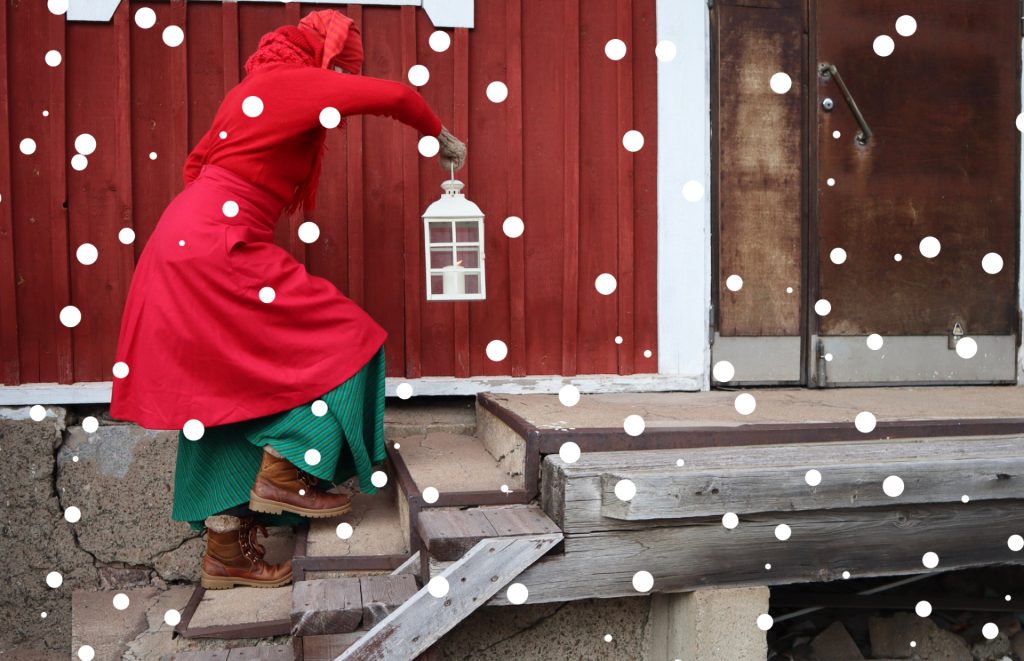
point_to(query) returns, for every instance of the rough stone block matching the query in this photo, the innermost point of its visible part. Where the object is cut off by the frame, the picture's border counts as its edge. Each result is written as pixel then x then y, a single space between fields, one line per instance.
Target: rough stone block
pixel 891 637
pixel 835 644
pixel 34 537
pixel 122 483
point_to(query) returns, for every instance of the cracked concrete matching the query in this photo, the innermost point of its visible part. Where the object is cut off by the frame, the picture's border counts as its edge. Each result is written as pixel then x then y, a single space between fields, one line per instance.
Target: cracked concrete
pixel 120 477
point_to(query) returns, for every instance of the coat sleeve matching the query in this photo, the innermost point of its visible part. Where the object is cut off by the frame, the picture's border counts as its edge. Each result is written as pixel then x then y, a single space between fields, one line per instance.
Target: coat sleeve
pixel 358 95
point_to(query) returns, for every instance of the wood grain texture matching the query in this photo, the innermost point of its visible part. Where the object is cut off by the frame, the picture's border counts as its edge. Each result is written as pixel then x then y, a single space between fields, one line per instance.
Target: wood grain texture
pixel 325 606
pixel 713 481
pixel 957 127
pixel 865 542
pixel 10 361
pixel 759 225
pixel 383 594
pixel 549 154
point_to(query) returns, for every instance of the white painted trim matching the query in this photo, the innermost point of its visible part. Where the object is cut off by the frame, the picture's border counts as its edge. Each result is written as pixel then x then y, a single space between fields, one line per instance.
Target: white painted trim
pixel 99 392
pixel 442 13
pixel 684 228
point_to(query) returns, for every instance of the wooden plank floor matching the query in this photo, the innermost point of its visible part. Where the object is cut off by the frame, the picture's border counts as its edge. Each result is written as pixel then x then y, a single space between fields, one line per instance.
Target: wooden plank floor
pixel 777 405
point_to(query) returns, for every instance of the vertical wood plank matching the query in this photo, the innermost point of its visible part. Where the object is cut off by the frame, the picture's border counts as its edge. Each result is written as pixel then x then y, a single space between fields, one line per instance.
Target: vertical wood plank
pixel 412 225
pixel 600 147
pixel 437 351
pixel 461 114
pixel 327 257
pixel 230 54
pixel 10 364
pixel 544 86
pixel 384 138
pixel 354 163
pixel 571 185
pixel 624 198
pixel 57 205
pixel 99 196
pixel 514 169
pixel 645 188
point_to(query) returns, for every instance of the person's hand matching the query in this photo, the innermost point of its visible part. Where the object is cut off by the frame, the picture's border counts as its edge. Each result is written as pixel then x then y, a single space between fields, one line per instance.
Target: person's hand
pixel 453 151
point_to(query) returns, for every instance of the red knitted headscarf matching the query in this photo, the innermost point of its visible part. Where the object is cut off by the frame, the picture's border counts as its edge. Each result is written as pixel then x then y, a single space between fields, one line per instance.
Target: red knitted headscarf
pixel 323 39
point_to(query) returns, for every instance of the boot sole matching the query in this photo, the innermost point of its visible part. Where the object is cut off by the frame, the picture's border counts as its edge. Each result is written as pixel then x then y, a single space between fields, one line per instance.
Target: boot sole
pixel 222 582
pixel 257 504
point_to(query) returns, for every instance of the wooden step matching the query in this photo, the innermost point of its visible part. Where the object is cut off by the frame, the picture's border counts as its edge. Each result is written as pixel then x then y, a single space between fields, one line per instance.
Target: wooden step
pixel 449 533
pixel 341 605
pixel 260 653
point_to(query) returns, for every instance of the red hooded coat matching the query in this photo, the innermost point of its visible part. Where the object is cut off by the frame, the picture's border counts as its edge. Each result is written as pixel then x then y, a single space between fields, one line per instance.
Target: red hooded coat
pixel 198 333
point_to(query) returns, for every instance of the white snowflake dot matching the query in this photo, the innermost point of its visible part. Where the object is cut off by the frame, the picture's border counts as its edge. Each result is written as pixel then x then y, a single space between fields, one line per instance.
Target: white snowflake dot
pixel 193 430
pixel 330 117
pixel 173 36
pixel 319 408
pixel 309 232
pixel 252 106
pixel 379 479
pixel 569 395
pixel 497 91
pixel 633 140
pixel 404 390
pixel 120 369
pixel 634 425
pixel 70 316
pixel 892 486
pixel 765 621
pixel 643 581
pixel 517 593
pixel 344 530
pixel 121 601
pixel 145 18
pixel 430 495
pixel 440 41
pixel 569 452
pixel 418 75
pixel 497 350
pixel 312 457
pixel 615 49
pixel 605 283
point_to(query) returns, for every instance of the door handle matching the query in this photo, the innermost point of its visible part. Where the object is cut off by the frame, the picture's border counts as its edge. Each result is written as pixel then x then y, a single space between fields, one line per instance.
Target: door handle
pixel 829 71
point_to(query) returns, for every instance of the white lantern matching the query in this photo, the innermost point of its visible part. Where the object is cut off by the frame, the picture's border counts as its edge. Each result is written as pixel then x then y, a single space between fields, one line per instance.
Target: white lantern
pixel 453 234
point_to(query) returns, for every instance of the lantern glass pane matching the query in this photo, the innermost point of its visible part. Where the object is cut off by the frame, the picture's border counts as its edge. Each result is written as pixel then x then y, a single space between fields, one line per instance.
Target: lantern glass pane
pixel 441 232
pixel 470 257
pixel 472 283
pixel 467 231
pixel 440 257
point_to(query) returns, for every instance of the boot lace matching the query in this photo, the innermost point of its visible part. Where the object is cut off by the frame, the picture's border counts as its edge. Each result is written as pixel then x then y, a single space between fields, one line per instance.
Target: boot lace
pixel 307 479
pixel 251 548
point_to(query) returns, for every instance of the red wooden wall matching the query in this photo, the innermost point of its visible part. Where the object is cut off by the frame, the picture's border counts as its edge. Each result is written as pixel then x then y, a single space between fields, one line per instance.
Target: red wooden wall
pixel 551 153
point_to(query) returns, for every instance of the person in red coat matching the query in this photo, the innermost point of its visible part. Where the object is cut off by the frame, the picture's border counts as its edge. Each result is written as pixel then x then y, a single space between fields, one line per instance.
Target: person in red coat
pixel 226 337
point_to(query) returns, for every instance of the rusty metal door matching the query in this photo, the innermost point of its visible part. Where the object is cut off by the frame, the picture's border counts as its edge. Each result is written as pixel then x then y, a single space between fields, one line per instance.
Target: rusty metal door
pixel 914 191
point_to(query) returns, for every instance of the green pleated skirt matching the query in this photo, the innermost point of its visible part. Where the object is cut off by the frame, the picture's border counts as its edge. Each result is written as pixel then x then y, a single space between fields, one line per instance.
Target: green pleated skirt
pixel 216 472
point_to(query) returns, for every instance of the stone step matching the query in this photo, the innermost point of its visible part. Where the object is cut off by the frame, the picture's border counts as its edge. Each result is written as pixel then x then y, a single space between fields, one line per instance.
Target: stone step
pixel 380 537
pixel 242 612
pixel 462 469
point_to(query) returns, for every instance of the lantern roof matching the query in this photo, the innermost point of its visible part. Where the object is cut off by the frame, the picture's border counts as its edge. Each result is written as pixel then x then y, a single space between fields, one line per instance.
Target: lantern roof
pixel 452 203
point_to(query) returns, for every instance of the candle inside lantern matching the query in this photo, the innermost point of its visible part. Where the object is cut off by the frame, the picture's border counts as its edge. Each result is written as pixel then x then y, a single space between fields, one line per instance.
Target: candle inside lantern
pixel 454 279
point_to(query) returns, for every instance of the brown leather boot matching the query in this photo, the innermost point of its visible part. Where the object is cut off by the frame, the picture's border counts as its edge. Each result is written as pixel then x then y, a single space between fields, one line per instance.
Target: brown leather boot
pixel 282 486
pixel 236 558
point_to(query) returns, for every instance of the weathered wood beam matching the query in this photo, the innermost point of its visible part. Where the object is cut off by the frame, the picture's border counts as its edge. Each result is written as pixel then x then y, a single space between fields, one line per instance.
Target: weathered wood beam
pixel 702 553
pixel 580 497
